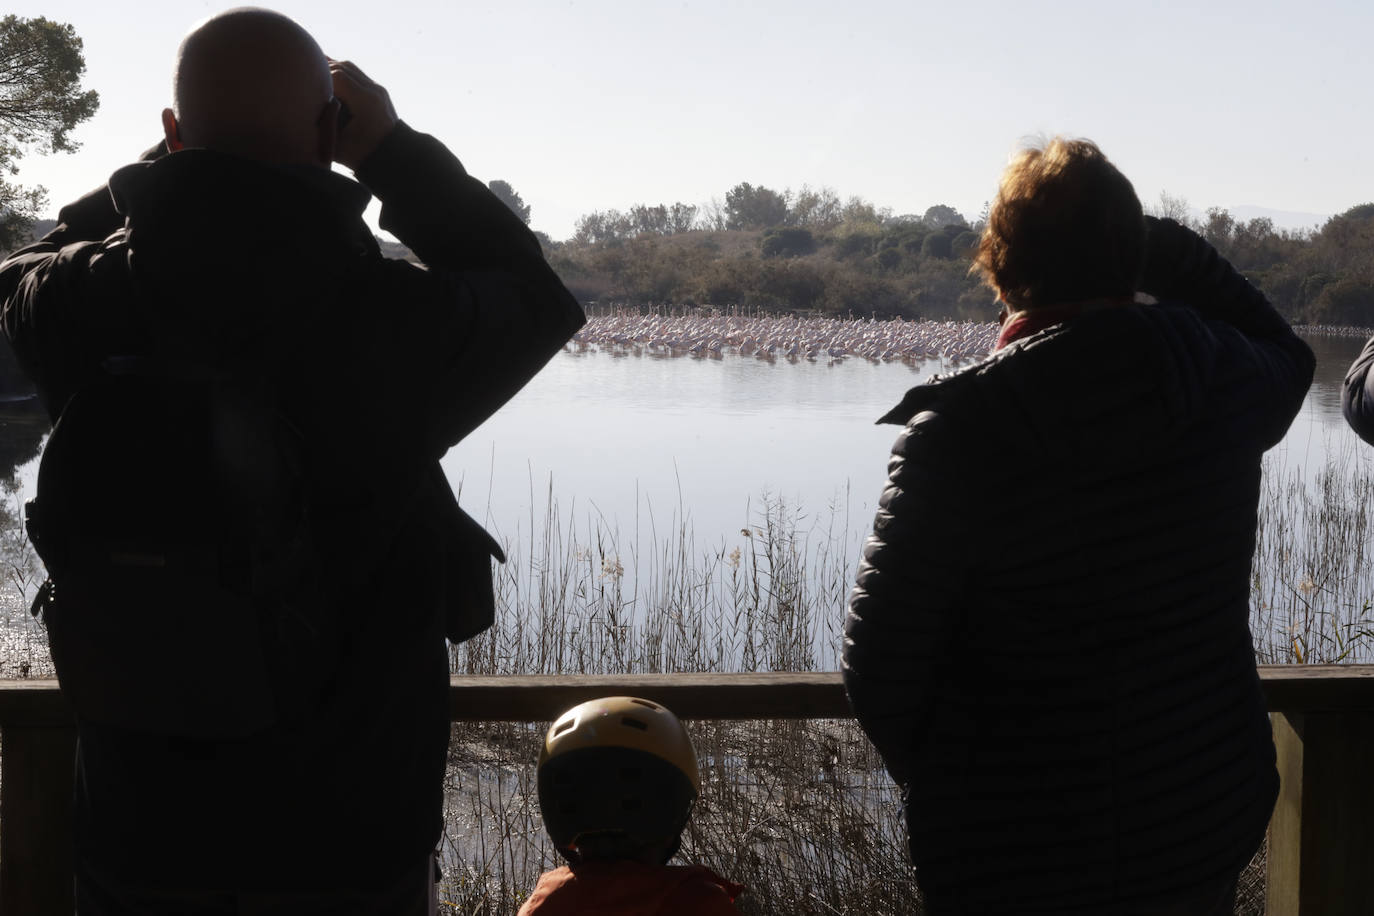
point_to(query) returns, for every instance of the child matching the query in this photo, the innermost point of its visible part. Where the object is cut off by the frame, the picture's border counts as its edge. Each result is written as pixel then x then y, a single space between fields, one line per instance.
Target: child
pixel 617 779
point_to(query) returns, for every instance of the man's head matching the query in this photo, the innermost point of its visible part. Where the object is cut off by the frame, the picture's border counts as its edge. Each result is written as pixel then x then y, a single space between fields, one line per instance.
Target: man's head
pixel 1066 227
pixel 253 83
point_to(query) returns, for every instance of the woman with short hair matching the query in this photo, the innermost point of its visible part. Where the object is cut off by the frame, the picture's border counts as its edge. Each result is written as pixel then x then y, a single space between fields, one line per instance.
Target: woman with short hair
pixel 1049 636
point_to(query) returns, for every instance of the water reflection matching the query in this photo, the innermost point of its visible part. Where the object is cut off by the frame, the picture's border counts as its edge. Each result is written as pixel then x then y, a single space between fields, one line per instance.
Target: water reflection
pixel 1334 356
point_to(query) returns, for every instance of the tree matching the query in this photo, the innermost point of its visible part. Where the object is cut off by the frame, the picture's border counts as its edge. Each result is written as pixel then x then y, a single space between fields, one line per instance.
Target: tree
pixel 603 226
pixel 941 215
pixel 646 220
pixel 510 198
pixel 682 217
pixel 41 102
pixel 714 216
pixel 1171 206
pixel 860 211
pixel 964 244
pixel 937 245
pixel 818 208
pixel 787 241
pixel 1218 227
pixel 748 207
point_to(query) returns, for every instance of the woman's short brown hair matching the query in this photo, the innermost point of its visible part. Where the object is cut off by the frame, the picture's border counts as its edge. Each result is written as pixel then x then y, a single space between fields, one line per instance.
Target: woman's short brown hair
pixel 1066 227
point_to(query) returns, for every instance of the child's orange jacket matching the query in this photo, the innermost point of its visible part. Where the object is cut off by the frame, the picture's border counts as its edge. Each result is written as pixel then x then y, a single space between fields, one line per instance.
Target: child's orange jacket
pixel 625 888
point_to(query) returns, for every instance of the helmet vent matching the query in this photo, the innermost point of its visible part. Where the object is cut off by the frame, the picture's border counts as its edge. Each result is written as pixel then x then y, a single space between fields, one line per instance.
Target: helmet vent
pixel 561 727
pixel 644 703
pixel 634 723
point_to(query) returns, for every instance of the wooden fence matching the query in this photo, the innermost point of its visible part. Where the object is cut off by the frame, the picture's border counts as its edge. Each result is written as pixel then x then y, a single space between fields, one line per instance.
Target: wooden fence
pixel 1321 838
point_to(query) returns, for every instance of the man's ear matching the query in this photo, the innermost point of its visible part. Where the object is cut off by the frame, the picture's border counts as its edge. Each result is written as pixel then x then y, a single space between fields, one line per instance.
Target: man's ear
pixel 171 130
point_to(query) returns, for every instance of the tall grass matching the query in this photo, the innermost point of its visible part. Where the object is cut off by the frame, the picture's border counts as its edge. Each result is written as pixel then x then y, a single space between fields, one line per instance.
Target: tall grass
pixel 592 601
pixel 1312 585
pixel 23 642
pixel 800 812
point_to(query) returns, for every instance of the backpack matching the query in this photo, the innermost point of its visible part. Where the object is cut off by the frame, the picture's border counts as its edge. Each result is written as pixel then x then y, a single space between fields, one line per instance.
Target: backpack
pixel 183 595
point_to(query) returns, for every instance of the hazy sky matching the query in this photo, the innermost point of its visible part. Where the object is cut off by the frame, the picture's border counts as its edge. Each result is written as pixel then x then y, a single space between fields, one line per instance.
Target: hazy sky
pixel 592 104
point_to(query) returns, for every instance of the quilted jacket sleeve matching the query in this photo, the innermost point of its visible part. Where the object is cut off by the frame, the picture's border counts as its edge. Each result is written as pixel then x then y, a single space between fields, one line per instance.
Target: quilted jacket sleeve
pixel 910 597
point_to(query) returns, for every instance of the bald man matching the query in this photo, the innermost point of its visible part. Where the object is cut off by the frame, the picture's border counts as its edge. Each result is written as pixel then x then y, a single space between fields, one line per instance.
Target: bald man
pixel 234 251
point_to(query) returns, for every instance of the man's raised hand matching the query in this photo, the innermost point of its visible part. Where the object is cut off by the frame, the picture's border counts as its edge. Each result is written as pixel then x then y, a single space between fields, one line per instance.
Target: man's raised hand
pixel 372 115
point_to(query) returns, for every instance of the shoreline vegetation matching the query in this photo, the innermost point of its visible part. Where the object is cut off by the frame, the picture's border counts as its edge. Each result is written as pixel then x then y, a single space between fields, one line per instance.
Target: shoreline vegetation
pixel 801 812
pixel 811 251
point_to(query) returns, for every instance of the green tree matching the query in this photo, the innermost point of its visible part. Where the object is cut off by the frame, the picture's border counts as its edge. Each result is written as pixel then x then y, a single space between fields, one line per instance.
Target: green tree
pixel 787 242
pixel 937 245
pixel 942 215
pixel 682 217
pixel 41 102
pixel 818 208
pixel 748 207
pixel 858 211
pixel 1217 228
pixel 964 244
pixel 510 198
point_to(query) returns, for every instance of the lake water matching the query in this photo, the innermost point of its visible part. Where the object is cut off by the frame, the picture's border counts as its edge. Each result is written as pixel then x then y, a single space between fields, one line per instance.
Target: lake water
pixel 661 440
pixel 645 447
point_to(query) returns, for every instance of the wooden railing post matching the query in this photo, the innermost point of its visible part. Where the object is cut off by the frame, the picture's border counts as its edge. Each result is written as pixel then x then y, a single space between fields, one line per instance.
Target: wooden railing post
pixel 36 783
pixel 1321 837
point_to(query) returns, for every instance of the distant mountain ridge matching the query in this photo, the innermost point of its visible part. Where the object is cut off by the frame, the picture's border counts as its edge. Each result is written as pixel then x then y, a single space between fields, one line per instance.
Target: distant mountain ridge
pixel 1282 219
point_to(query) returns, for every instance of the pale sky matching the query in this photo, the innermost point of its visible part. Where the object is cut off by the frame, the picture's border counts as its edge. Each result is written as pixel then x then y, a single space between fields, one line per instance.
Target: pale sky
pixel 592 104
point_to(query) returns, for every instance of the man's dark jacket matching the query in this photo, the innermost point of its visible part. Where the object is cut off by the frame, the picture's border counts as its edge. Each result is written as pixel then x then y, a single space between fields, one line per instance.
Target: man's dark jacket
pixel 1048 641
pixel 270 273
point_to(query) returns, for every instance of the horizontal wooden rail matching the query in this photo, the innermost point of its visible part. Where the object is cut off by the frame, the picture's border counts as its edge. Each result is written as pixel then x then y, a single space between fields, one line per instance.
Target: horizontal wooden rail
pixel 761 695
pixel 534 698
pixel 1320 843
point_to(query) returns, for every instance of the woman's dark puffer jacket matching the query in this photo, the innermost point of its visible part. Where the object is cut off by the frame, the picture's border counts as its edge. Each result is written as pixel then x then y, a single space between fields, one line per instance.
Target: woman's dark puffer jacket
pixel 1049 640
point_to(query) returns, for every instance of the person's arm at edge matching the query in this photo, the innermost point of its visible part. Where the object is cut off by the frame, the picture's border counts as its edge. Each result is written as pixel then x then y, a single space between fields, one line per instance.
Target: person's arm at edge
pixel 1357 394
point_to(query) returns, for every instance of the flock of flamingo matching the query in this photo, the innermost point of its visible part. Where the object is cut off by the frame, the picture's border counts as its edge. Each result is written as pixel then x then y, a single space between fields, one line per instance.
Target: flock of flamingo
pixel 771 337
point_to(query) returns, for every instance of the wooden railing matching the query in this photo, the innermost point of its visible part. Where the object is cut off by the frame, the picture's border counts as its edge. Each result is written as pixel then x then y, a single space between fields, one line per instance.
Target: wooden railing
pixel 1321 838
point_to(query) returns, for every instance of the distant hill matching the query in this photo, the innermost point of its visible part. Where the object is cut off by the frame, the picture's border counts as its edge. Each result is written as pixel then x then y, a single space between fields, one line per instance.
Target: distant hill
pixel 1282 219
